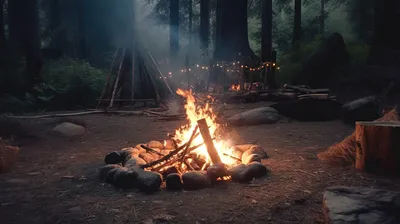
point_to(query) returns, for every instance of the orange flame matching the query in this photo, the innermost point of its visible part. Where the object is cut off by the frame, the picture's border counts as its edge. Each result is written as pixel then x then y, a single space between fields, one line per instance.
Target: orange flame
pixel 235 87
pixel 195 113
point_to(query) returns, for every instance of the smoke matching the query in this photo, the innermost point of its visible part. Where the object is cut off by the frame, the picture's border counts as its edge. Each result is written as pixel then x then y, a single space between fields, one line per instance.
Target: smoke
pixel 154 35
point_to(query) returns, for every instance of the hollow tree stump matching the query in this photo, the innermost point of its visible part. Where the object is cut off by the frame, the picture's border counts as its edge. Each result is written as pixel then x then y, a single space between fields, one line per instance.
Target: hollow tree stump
pixel 378 147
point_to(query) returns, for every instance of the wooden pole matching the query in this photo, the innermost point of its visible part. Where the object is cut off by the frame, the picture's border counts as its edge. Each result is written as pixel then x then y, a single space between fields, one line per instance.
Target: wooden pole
pixel 378 147
pixel 107 84
pixel 205 133
pixel 117 79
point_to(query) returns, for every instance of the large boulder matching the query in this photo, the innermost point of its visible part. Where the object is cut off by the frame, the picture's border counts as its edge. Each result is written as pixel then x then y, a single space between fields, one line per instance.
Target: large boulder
pixel 67 129
pixel 363 109
pixel 361 205
pixel 310 109
pixel 262 115
pixel 320 68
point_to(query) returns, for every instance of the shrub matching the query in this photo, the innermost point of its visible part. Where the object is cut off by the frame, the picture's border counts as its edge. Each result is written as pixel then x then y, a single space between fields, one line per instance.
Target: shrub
pixel 69 84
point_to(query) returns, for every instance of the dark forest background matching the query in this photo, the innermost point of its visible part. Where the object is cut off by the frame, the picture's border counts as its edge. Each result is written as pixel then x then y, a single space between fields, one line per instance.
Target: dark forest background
pixel 56 54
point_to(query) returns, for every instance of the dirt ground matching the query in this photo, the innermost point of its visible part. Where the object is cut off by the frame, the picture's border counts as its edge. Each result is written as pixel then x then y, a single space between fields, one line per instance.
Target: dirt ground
pixel 55 180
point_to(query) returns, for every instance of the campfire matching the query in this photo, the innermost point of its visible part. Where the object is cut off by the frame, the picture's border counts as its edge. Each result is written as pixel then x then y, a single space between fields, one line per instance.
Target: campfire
pixel 193 157
pixel 235 87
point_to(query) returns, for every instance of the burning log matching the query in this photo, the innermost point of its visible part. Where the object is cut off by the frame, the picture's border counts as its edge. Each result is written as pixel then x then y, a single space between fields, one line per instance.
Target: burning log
pixel 208 141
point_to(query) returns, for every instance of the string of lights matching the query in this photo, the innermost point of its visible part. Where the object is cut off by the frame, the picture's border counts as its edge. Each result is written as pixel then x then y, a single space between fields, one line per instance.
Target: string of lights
pixel 231 67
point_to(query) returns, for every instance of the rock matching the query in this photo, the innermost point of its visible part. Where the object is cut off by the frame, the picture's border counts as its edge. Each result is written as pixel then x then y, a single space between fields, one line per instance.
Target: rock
pixel 241 174
pixel 155 145
pixel 322 65
pixel 361 205
pixel 262 115
pixel 254 153
pixel 216 171
pixel 170 170
pixel 364 109
pixel 67 129
pixel 110 175
pixel 236 152
pixel 113 158
pixel 174 181
pixel 147 157
pixel 243 148
pixel 148 181
pixel 169 145
pixel 105 169
pixel 125 179
pixel 310 109
pixel 134 162
pixel 139 147
pixel 195 180
pixel 246 159
pixel 257 170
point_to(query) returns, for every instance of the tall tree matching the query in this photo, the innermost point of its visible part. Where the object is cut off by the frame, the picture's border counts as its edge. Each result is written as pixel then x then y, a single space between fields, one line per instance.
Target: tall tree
pixel 80 9
pixel 174 27
pixel 297 24
pixel 322 19
pixel 2 30
pixel 204 24
pixel 232 35
pixel 266 40
pixel 385 41
pixel 25 34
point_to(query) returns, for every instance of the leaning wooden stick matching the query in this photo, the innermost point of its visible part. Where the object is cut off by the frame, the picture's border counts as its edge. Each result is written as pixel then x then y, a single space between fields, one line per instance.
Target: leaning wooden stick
pixel 205 133
pixel 189 143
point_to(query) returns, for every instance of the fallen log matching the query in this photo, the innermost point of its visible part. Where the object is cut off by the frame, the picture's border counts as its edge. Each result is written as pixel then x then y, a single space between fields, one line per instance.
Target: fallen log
pixel 305 90
pixel 377 147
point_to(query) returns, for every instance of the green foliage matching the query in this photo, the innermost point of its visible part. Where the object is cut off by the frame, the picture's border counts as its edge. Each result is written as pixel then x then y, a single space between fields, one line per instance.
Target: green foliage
pixel 290 63
pixel 70 84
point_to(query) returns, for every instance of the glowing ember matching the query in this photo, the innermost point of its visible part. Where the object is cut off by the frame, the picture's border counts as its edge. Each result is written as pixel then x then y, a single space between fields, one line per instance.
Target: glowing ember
pixel 235 87
pixel 194 113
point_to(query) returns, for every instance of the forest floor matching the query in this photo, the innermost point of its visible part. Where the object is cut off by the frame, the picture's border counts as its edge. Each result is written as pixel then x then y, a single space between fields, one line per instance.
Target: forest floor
pixel 55 180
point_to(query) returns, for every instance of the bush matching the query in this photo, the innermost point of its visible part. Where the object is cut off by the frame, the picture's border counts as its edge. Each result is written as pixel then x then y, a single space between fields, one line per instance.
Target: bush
pixel 69 84
pixel 290 63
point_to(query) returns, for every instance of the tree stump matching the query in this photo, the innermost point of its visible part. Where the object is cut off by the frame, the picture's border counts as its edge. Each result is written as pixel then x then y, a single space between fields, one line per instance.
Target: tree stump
pixel 378 147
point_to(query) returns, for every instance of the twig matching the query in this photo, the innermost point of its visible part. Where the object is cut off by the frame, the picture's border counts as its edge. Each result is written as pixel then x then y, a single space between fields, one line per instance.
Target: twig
pixel 189 143
pixel 306 172
pixel 165 158
pixel 232 157
pixel 151 150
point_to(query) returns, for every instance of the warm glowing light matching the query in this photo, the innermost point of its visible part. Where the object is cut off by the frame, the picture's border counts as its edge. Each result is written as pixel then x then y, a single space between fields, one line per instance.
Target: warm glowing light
pixel 235 87
pixel 273 64
pixel 197 65
pixel 194 113
pixel 169 73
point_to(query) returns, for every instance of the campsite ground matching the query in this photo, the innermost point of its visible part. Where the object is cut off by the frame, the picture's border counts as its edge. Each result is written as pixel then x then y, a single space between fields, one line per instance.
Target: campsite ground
pixel 55 180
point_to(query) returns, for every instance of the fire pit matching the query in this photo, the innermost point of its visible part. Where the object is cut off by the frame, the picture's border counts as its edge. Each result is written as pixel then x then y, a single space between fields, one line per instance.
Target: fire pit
pixel 194 157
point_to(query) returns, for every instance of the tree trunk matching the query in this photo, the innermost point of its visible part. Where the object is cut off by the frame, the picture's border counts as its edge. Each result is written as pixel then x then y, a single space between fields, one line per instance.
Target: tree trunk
pixel 266 40
pixel 25 34
pixel 187 58
pixel 80 7
pixel 232 36
pixel 385 49
pixel 377 147
pixel 322 19
pixel 174 28
pixel 297 24
pixel 204 24
pixel 2 32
